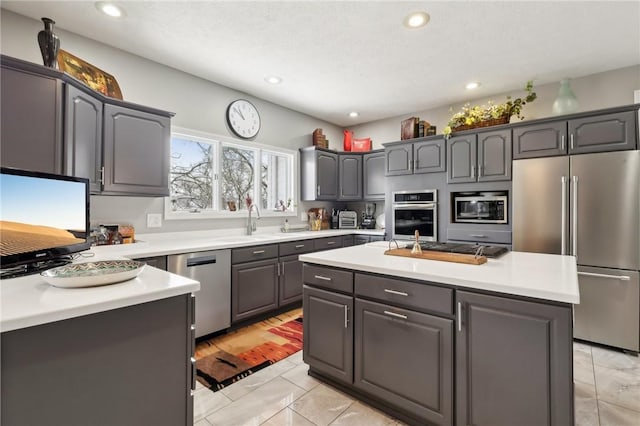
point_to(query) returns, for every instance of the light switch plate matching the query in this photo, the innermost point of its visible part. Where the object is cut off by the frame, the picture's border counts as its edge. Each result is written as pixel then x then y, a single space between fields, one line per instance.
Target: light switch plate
pixel 154 220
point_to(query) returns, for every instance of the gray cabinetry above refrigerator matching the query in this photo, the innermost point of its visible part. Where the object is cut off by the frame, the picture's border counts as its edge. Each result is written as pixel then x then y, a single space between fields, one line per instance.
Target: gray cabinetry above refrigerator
pixel 615 131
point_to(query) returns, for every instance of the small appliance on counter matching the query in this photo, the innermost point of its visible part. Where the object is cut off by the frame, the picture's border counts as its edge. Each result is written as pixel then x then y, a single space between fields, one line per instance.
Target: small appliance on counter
pixel 368 218
pixel 347 219
pixel 334 218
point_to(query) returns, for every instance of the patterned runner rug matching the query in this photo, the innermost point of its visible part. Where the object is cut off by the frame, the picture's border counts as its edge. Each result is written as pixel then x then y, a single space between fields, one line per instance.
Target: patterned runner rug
pixel 225 359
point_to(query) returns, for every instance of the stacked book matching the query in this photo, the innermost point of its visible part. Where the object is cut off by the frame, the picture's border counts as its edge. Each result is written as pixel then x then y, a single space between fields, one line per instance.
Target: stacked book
pixel 320 139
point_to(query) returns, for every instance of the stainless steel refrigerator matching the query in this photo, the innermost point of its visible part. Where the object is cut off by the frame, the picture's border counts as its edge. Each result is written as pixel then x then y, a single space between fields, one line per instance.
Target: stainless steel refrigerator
pixel 587 206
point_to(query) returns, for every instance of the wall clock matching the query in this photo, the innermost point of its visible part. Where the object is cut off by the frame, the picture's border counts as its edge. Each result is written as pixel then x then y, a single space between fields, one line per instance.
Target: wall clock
pixel 243 119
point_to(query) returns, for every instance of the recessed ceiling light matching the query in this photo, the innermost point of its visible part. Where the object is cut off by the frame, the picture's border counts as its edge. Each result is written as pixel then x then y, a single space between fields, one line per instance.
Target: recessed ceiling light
pixel 416 20
pixel 110 9
pixel 472 85
pixel 354 114
pixel 273 79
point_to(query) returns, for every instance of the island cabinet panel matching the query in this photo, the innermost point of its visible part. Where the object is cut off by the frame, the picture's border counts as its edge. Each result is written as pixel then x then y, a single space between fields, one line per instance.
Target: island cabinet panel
pixel 328 333
pixel 254 288
pixel 513 362
pixel 290 280
pixel 127 366
pixel 406 359
pixel 31 117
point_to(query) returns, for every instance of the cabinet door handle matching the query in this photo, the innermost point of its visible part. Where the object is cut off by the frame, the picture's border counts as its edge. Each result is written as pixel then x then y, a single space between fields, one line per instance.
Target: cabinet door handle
pixel 480 171
pixel 258 252
pixel 346 316
pixel 562 143
pixel 102 175
pixel 477 235
pixel 399 293
pixel 473 171
pixel 613 277
pixel 459 316
pixel 571 141
pixel 320 277
pixel 318 191
pixel 278 268
pixel 300 246
pixel 283 269
pixel 330 243
pixel 393 314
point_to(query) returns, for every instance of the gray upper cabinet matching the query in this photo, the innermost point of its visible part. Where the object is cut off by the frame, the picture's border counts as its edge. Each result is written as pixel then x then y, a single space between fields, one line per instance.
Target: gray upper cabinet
pixel 608 132
pixel 481 157
pixel 426 156
pixel 318 174
pixel 501 342
pixel 373 179
pixel 136 152
pixel 350 177
pixel 83 137
pixel 540 140
pixel 31 117
pixel 582 135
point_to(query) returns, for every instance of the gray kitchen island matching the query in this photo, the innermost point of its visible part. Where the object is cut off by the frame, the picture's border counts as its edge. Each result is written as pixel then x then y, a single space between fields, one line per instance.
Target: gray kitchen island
pixel 442 343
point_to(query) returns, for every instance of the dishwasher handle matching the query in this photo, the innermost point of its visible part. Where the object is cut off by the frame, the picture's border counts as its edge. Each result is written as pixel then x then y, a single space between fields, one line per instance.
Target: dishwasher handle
pixel 201 260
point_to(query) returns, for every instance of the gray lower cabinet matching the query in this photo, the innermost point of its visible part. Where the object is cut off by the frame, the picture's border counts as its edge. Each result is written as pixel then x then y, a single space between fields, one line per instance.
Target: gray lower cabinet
pixel 513 362
pixel 328 333
pixel 254 288
pixel 347 240
pixel 479 157
pixel 159 262
pixel 405 358
pixel 425 156
pixel 83 137
pixel 290 281
pixel 360 239
pixel 373 179
pixel 318 174
pixel 32 120
pixel 127 366
pixel 136 152
pixel 349 177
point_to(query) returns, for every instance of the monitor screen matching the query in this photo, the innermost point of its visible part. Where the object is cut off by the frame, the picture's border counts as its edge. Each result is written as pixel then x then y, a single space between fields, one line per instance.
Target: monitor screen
pixel 42 217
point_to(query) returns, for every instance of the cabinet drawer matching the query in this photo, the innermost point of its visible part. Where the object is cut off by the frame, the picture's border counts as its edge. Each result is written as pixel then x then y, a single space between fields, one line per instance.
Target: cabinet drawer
pixel 327 243
pixel 249 254
pixel 422 297
pixel 479 235
pixel 360 239
pixel 330 278
pixel 296 247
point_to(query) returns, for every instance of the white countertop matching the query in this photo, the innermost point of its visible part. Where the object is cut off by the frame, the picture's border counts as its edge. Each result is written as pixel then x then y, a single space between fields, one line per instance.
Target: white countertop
pixel 29 301
pixel 542 276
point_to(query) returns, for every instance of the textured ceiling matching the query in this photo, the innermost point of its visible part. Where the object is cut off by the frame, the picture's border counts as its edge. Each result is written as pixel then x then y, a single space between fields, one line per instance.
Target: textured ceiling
pixel 339 56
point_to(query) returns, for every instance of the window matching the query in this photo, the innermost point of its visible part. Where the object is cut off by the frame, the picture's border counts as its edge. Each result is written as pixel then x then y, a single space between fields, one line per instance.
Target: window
pixel 212 176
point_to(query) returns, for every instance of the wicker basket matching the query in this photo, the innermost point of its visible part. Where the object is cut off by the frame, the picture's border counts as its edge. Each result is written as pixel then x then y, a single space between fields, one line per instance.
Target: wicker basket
pixel 493 122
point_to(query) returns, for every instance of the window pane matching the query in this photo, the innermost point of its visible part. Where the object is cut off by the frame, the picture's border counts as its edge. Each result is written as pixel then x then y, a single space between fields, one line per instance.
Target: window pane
pixel 275 182
pixel 191 175
pixel 238 177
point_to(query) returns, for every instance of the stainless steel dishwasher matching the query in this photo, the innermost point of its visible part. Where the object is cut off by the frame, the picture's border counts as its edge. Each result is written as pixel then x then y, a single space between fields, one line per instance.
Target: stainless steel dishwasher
pixel 213 301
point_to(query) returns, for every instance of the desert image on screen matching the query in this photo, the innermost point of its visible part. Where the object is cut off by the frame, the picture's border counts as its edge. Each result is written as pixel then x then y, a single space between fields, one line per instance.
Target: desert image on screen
pixel 16 237
pixel 40 213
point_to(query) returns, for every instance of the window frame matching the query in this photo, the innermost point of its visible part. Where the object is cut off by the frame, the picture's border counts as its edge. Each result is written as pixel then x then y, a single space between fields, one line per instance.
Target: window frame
pixel 218 143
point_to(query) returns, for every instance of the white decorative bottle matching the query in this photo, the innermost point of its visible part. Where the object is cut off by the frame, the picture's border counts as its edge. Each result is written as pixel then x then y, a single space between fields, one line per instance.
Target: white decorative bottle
pixel 566 101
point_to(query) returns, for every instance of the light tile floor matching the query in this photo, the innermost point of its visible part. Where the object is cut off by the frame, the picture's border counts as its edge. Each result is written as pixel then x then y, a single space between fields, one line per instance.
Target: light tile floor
pixel 607 393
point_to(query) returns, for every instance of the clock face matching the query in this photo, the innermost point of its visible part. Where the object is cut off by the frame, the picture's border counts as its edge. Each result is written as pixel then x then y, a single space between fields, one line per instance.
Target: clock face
pixel 243 118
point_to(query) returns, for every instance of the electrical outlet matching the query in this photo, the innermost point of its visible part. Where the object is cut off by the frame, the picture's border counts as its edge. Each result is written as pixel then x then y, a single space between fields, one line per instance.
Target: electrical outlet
pixel 154 220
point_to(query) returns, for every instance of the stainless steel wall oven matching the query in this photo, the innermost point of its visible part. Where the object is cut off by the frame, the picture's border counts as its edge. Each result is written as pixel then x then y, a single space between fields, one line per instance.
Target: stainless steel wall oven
pixel 415 211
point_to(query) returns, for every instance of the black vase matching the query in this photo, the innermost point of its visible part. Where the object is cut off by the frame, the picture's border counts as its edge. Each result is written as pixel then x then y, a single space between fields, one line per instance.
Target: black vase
pixel 49 43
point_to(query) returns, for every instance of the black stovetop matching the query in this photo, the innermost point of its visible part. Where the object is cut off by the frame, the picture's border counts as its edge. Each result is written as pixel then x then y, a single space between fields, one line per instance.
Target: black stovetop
pixel 488 251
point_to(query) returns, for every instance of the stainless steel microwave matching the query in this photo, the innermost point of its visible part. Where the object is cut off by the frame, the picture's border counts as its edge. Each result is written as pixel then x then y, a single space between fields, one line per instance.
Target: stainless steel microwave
pixel 481 208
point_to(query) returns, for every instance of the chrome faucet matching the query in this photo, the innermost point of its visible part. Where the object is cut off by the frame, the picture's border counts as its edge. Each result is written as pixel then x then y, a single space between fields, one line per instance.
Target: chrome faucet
pixel 251 224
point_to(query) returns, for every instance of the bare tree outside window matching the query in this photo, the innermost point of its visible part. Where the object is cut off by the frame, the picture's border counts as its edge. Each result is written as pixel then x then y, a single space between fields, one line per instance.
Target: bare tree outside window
pixel 237 173
pixel 191 175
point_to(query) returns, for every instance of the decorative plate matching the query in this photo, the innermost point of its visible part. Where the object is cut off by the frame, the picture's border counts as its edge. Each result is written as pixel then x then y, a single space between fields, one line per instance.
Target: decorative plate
pixel 92 274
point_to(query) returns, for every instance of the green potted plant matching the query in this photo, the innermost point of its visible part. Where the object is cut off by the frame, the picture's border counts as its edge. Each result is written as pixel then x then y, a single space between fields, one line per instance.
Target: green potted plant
pixel 489 115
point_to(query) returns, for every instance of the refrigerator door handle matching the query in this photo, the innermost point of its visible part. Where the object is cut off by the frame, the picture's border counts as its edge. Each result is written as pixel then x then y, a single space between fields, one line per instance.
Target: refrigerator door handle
pixel 574 218
pixel 563 219
pixel 613 277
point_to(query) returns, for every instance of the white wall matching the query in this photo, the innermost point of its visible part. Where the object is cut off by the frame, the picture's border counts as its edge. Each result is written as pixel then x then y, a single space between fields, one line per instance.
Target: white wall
pixel 201 105
pixel 603 90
